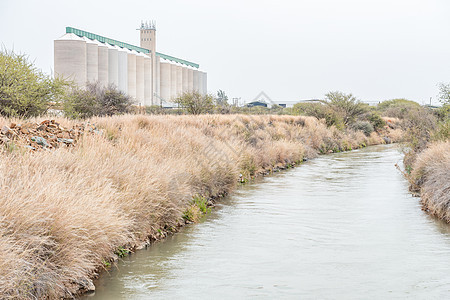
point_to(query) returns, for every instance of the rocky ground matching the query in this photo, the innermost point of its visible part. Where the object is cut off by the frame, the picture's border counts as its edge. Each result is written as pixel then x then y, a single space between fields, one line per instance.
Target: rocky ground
pixel 45 135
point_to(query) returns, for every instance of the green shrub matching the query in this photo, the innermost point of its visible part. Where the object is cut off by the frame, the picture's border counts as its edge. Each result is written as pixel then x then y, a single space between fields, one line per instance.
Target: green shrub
pixel 346 106
pixel 198 206
pixel 397 108
pixel 444 93
pixel 375 119
pixel 443 131
pixel 320 111
pixel 419 128
pixel 364 126
pixel 443 113
pixel 317 110
pixel 202 203
pixel 195 103
pixel 24 90
pixel 96 100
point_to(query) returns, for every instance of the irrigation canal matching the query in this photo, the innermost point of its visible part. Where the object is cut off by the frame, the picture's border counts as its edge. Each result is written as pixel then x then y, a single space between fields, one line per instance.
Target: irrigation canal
pixel 342 226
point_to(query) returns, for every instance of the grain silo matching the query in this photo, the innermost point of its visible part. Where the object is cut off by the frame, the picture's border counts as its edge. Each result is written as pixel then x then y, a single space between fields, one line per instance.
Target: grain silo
pixel 200 81
pixel 157 87
pixel 126 65
pixel 113 66
pixel 173 81
pixel 91 60
pixel 195 80
pixel 148 81
pixel 70 58
pixel 179 80
pixel 165 76
pixel 140 78
pixel 185 79
pixel 190 80
pixel 205 83
pixel 123 70
pixel 103 64
pixel 132 73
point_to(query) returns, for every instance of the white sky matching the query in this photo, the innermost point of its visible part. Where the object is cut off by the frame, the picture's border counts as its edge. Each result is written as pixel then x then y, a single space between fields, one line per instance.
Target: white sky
pixel 292 50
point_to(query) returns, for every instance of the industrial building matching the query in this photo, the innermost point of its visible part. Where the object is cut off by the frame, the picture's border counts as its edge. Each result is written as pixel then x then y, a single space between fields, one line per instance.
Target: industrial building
pixel 150 77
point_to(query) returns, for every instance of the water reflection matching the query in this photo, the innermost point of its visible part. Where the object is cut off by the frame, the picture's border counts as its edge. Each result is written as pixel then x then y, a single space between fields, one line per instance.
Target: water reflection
pixel 340 226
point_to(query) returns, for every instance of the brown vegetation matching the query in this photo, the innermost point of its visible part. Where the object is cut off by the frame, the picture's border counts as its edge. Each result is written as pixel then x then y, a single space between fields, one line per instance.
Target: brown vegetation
pixel 430 175
pixel 65 212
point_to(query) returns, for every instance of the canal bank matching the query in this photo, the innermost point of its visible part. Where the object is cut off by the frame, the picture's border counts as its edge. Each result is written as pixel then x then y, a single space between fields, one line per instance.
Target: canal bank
pixel 340 226
pixel 67 213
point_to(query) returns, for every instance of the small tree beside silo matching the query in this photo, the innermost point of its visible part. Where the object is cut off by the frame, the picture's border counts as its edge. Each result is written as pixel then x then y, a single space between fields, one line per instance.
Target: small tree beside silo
pixel 24 90
pixel 195 103
pixel 96 100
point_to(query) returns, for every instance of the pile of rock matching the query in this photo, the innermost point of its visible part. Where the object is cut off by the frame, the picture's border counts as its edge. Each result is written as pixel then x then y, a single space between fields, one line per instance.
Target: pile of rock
pixel 48 134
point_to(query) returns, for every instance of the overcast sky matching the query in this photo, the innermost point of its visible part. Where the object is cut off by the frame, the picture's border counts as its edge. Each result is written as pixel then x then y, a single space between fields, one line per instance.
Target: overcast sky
pixel 292 50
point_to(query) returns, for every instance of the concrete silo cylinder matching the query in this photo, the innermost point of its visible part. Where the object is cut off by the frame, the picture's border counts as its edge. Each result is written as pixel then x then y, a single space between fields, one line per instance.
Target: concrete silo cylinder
pixel 173 81
pixel 113 65
pixel 179 80
pixel 91 60
pixel 200 82
pixel 132 74
pixel 165 78
pixel 157 81
pixel 140 88
pixel 148 81
pixel 195 80
pixel 103 64
pixel 191 80
pixel 185 80
pixel 70 58
pixel 205 83
pixel 123 70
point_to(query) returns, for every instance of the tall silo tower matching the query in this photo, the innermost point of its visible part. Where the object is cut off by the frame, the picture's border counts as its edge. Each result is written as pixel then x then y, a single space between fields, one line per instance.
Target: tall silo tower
pixel 148 41
pixel 70 58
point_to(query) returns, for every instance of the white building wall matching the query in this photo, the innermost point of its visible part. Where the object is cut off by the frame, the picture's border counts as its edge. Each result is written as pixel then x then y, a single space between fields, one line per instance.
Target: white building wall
pixel 70 58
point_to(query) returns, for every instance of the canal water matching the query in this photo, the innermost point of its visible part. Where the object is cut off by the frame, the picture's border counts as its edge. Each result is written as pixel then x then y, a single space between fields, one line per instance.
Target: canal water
pixel 342 226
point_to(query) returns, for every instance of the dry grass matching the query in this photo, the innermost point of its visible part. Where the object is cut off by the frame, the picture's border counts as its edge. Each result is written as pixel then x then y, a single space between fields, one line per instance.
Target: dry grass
pixel 431 173
pixel 63 213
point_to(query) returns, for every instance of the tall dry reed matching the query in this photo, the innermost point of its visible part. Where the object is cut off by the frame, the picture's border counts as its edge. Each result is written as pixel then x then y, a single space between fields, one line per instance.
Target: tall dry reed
pixel 431 175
